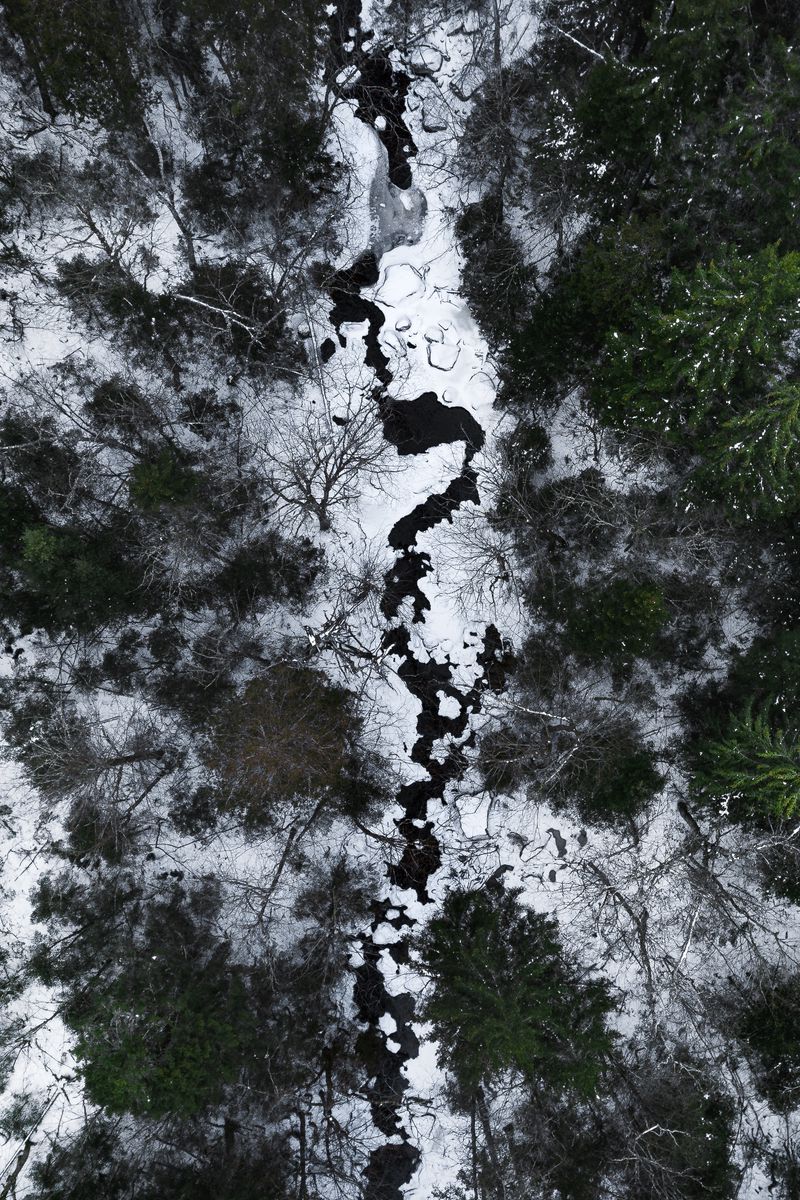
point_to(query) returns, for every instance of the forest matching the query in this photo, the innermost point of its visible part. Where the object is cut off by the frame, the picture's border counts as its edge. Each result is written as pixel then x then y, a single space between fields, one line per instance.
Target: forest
pixel 400 600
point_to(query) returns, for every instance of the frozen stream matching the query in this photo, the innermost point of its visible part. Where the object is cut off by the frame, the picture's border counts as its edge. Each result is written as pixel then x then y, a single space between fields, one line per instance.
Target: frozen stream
pixel 392 291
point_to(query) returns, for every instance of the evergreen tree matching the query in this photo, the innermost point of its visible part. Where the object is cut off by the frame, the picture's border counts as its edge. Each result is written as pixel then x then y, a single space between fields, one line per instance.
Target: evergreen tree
pixel 722 336
pixel 752 772
pixel 101 1163
pixel 163 480
pixel 168 1021
pixel 768 1025
pixel 678 1133
pixel 81 53
pixel 71 578
pixel 616 619
pixel 616 787
pixel 753 460
pixel 505 995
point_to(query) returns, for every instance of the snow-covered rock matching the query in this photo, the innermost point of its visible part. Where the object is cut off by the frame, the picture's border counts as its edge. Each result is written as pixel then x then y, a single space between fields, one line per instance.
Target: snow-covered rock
pixel 426 60
pixel 400 282
pixel 443 355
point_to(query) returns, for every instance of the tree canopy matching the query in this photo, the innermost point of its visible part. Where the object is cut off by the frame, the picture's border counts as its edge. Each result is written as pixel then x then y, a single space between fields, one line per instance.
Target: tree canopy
pixel 505 995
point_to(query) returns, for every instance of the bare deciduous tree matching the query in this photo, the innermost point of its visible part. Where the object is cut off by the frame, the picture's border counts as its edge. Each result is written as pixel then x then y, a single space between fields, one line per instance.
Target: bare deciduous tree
pixel 105 767
pixel 318 460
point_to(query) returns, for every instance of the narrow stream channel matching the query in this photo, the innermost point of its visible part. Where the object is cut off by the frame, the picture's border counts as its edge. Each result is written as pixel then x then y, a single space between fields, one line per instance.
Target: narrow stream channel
pixel 413 427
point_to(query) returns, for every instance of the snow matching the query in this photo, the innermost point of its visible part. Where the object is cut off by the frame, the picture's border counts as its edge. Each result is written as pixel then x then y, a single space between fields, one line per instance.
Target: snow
pixel 448 706
pixel 426 60
pixel 434 346
pixel 399 282
pixel 443 355
pixel 43 1066
pixel 548 855
pixel 358 148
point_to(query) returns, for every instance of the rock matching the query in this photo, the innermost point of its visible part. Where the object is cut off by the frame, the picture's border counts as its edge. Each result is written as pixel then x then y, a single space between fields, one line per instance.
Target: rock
pixel 432 122
pixel 347 77
pixel 448 705
pixel 395 345
pixel 400 282
pixel 354 329
pixel 434 333
pixel 398 215
pixel 426 60
pixel 443 355
pixel 402 324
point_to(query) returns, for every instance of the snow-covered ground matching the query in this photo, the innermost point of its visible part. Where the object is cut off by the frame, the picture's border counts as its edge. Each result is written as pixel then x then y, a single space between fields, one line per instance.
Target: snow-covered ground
pixel 432 345
pixel 600 884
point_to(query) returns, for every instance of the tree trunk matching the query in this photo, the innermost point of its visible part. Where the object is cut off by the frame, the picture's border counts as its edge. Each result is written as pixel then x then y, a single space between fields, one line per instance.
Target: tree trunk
pixel 39 76
pixel 125 760
pixel 498 1188
pixel 229 1134
pixel 302 1193
pixel 474 1143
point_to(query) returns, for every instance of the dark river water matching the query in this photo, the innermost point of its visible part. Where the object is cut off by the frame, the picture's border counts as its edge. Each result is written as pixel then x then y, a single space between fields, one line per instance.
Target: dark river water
pixel 413 427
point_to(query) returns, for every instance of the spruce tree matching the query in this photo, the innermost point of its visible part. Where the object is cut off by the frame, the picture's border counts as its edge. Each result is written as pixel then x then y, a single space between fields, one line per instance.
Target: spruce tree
pixel 754 458
pixel 506 996
pixel 768 1026
pixel 753 771
pixel 714 347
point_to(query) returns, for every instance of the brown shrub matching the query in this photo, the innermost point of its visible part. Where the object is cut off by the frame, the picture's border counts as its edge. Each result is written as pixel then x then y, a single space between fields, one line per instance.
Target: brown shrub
pixel 288 735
